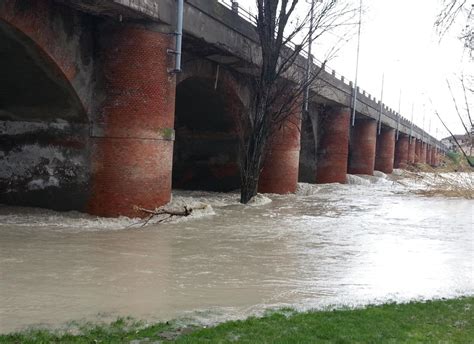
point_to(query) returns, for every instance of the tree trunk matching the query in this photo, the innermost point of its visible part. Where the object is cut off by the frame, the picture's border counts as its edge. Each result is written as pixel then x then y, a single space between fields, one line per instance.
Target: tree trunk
pixel 248 189
pixel 252 155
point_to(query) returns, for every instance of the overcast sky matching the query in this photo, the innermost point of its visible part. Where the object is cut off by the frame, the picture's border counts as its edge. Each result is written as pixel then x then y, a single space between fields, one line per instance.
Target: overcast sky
pixel 399 40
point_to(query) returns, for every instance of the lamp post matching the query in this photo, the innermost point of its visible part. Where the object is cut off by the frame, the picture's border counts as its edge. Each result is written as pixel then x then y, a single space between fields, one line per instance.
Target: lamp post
pixel 381 105
pixel 354 97
pixel 399 114
pixel 309 62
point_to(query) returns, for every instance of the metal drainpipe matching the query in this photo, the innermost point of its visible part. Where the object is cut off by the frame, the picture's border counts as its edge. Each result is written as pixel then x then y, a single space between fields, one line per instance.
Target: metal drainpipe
pixel 179 37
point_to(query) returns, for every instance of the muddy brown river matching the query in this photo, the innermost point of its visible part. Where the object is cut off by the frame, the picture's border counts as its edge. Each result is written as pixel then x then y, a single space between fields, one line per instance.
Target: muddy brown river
pixel 342 245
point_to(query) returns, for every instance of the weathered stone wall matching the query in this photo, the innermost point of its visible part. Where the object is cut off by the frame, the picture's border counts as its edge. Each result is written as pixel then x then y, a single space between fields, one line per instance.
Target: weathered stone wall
pixel 44 164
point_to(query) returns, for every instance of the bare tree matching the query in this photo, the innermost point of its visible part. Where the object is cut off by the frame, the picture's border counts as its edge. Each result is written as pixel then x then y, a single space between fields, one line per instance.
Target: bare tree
pixel 281 81
pixel 452 12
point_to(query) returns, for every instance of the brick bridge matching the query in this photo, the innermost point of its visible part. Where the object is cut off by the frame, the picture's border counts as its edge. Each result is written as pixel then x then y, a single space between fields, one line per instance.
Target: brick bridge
pixel 91 118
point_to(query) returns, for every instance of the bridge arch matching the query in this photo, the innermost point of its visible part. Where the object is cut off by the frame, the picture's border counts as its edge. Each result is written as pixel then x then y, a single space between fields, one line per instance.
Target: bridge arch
pixel 43 120
pixel 33 86
pixel 208 109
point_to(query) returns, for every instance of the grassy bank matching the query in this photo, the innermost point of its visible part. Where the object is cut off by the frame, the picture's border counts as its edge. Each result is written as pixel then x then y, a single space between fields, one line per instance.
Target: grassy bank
pixel 447 321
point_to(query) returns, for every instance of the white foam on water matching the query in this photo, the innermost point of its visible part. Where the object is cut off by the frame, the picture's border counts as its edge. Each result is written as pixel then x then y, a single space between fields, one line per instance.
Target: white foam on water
pixel 259 200
pixel 353 179
pixel 380 174
pixel 37 218
pixel 306 189
pixel 397 172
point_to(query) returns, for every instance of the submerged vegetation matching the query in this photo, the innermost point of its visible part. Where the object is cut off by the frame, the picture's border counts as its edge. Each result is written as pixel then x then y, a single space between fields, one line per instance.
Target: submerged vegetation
pixel 453 178
pixel 443 321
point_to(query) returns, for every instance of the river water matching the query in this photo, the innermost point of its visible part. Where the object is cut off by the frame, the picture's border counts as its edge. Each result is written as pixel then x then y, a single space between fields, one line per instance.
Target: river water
pixel 369 242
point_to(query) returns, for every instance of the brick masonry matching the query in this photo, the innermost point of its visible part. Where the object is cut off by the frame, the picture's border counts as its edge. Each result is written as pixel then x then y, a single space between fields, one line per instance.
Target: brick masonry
pixel 132 143
pixel 411 150
pixel 362 147
pixel 385 150
pixel 402 151
pixel 333 149
pixel 280 169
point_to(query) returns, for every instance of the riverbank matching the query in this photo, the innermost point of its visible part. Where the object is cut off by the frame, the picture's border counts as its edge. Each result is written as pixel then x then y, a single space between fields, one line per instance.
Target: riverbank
pixel 447 321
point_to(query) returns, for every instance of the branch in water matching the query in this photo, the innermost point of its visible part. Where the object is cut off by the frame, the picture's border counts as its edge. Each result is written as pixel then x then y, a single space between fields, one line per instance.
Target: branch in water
pixel 163 211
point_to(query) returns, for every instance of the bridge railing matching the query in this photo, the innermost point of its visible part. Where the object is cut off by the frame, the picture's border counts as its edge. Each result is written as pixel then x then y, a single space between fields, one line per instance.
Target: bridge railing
pixel 251 18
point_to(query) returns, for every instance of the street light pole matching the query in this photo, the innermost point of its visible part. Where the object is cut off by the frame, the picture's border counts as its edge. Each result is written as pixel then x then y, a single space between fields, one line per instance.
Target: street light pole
pixel 381 105
pixel 354 97
pixel 399 112
pixel 310 58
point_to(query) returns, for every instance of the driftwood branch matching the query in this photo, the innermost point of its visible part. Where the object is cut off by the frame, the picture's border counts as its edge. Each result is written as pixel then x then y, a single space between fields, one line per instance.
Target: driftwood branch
pixel 163 211
pixel 168 213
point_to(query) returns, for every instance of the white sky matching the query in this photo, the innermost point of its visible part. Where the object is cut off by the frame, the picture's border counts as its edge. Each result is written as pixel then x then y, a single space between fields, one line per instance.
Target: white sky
pixel 399 40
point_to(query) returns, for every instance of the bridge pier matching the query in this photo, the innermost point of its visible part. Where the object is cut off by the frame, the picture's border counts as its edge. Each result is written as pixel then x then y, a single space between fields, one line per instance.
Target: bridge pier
pixel 428 154
pixel 423 152
pixel 280 169
pixel 132 136
pixel 333 148
pixel 362 147
pixel 411 150
pixel 418 149
pixel 385 151
pixel 402 151
pixel 433 157
pixel 437 157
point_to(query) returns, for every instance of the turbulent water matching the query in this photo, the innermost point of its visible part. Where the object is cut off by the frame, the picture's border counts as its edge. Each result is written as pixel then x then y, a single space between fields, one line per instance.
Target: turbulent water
pixel 369 241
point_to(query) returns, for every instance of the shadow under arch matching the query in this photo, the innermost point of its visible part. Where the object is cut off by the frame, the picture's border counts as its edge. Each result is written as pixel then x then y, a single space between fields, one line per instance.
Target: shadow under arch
pixel 207 137
pixel 44 128
pixel 32 86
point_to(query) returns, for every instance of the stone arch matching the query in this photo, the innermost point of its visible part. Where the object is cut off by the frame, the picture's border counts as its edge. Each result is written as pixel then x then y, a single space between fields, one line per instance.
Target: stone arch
pixel 209 104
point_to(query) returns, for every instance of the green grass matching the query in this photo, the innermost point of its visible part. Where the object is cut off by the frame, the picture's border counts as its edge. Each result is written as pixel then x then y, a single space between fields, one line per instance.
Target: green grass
pixel 454 156
pixel 446 321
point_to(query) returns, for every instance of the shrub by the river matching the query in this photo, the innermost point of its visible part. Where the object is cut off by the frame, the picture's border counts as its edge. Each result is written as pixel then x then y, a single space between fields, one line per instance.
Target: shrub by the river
pixel 446 321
